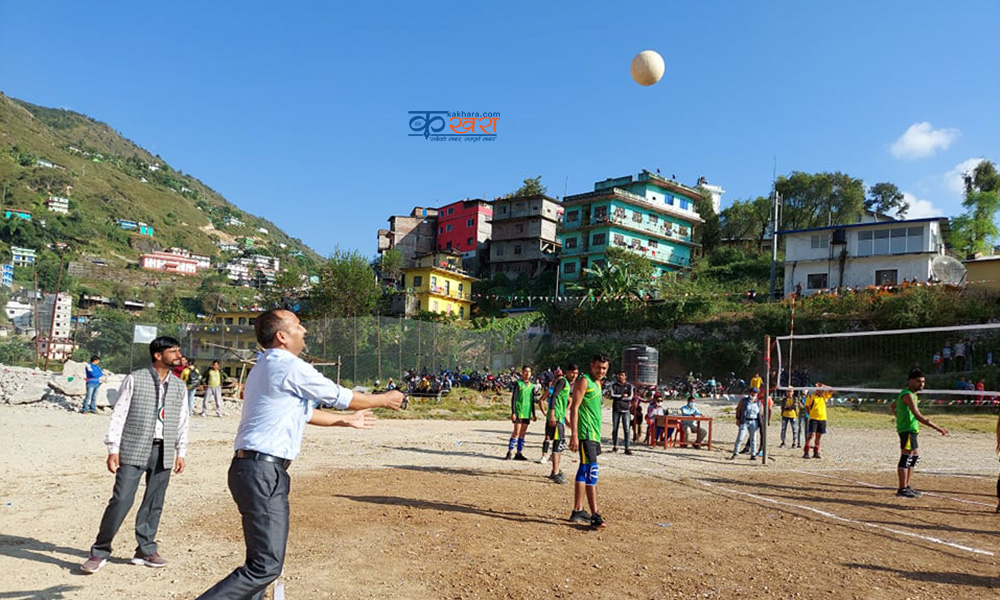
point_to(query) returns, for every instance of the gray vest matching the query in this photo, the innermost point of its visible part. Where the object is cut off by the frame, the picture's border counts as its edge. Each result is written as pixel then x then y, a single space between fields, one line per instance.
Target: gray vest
pixel 140 423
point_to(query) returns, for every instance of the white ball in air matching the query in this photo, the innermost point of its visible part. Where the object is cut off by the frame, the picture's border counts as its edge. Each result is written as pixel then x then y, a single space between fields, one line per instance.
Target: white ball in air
pixel 647 67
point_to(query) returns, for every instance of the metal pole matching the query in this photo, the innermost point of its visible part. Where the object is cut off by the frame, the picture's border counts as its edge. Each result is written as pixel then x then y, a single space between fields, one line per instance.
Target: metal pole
pixel 772 292
pixel 34 323
pixel 355 350
pixel 378 346
pixel 399 340
pixel 338 369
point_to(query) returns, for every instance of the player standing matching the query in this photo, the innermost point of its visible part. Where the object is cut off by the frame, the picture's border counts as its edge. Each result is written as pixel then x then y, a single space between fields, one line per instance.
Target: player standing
pixel 522 412
pixel 816 405
pixel 585 432
pixel 555 418
pixel 908 418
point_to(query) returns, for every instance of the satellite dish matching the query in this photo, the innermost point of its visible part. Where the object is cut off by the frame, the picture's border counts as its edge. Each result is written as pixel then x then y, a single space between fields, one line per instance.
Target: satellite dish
pixel 948 270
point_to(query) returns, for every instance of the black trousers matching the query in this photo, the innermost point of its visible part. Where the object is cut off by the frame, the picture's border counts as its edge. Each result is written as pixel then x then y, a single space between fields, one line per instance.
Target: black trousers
pixel 260 490
pixel 625 418
pixel 147 520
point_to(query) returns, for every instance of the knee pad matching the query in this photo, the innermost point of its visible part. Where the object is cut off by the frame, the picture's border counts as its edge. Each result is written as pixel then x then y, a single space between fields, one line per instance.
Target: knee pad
pixel 914 459
pixel 904 461
pixel 591 474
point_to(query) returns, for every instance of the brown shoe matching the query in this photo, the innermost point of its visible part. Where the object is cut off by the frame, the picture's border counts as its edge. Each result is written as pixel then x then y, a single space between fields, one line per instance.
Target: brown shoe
pixel 153 560
pixel 93 564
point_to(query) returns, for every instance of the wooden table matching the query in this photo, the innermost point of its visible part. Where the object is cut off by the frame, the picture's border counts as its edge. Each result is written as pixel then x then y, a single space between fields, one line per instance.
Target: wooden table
pixel 675 422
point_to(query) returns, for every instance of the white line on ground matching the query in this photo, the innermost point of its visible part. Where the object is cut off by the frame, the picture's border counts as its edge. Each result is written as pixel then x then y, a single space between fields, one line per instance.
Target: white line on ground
pixel 835 517
pixel 884 487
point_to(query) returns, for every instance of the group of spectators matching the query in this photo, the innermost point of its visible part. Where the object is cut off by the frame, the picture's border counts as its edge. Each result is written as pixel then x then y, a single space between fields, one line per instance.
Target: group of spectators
pixel 958 357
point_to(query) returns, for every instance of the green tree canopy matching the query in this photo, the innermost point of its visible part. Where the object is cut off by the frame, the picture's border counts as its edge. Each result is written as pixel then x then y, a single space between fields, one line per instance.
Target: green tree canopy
pixel 975 231
pixel 887 199
pixel 532 187
pixel 709 233
pixel 347 286
pixel 747 219
pixel 820 199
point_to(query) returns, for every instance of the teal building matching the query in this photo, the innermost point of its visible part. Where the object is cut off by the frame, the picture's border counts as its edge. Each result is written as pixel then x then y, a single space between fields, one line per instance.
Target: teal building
pixel 646 214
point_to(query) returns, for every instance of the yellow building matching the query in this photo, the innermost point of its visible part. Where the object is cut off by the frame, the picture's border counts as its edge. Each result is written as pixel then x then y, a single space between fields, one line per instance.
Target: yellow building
pixel 983 272
pixel 228 337
pixel 440 285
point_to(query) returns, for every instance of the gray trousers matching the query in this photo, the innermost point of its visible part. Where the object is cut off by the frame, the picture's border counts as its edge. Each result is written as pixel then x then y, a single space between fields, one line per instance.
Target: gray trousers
pixel 210 394
pixel 147 520
pixel 260 490
pixel 625 418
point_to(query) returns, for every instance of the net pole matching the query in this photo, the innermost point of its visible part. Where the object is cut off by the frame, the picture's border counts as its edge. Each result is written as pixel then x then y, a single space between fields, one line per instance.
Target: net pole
pixel 767 386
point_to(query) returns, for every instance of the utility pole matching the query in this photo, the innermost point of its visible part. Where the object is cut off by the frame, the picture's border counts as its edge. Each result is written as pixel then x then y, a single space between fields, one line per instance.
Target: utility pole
pixel 775 203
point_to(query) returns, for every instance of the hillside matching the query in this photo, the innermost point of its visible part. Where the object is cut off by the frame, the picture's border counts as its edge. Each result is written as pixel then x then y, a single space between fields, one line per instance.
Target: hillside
pixel 53 152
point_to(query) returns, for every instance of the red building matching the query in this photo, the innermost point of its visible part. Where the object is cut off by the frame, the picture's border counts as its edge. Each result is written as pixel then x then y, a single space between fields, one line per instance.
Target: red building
pixel 464 226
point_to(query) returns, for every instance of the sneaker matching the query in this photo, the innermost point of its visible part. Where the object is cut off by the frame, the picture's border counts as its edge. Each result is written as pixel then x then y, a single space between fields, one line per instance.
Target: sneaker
pixel 93 564
pixel 916 494
pixel 614 448
pixel 745 450
pixel 153 560
pixel 906 493
pixel 509 455
pixel 731 457
pixel 597 522
pixel 816 455
pixel 628 452
pixel 580 516
pixel 753 458
pixel 559 478
pixel 520 456
pixel 544 459
pixel 781 445
pixel 806 455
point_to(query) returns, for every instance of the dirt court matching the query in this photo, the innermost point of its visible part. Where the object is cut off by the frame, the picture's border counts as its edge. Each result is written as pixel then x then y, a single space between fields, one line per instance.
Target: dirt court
pixel 427 510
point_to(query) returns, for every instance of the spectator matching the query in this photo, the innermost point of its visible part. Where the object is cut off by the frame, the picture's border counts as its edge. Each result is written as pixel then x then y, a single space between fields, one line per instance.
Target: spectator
pixel 946 356
pixel 749 414
pixel 937 361
pixel 622 391
pixel 213 389
pixel 192 380
pixel 789 416
pixel 692 427
pixel 959 353
pixel 803 430
pixel 970 359
pixel 92 376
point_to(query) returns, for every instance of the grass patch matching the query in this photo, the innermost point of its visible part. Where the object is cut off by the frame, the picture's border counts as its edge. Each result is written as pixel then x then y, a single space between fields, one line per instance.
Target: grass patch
pixel 459 404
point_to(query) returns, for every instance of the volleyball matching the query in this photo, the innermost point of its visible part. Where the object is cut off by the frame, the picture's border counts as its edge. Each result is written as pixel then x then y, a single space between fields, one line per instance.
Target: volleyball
pixel 647 67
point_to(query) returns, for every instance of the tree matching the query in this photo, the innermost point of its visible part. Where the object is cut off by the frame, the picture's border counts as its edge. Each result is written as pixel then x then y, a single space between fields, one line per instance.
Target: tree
pixel 820 199
pixel 624 274
pixel 346 288
pixel 745 219
pixel 887 199
pixel 532 187
pixel 391 264
pixel 975 231
pixel 709 233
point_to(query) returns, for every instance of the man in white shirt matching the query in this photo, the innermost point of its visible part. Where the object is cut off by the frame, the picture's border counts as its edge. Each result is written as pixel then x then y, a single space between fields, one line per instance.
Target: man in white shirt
pixel 281 395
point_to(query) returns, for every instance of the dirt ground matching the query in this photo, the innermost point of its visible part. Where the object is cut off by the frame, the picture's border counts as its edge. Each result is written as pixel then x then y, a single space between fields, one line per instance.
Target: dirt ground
pixel 428 510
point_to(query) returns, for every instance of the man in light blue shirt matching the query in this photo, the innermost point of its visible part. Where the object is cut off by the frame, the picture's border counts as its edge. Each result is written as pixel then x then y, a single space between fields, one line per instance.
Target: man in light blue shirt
pixel 281 395
pixel 692 427
pixel 748 417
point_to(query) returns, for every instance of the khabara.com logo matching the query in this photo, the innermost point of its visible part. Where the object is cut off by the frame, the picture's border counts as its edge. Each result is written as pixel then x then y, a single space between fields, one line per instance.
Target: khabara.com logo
pixel 454 126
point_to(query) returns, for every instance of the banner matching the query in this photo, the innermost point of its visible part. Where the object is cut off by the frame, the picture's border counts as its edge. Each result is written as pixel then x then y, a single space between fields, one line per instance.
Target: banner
pixel 144 334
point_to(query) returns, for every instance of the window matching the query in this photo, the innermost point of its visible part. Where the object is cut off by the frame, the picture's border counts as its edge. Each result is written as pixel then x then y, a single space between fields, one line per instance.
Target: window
pixel 252 320
pixel 569 268
pixel 519 228
pixel 434 280
pixel 418 280
pixel 600 262
pixel 503 209
pixel 819 241
pixel 864 243
pixel 449 228
pixel 572 216
pixel 517 250
pixel 570 243
pixel 619 239
pixel 470 222
pixel 600 239
pixel 451 210
pixel 915 239
pixel 637 217
pixel 499 250
pixel 460 286
pixel 243 321
pixel 683 231
pixel 887 276
pixel 447 246
pixel 519 204
pixel 881 245
pixel 461 311
pixel 229 320
pixel 816 281
pixel 653 244
pixel 897 239
pixel 440 230
pixel 654 219
pixel 468 242
pixel 600 212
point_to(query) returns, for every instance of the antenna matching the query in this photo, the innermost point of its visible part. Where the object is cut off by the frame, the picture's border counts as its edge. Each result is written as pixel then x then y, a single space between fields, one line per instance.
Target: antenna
pixel 948 270
pixel 565 187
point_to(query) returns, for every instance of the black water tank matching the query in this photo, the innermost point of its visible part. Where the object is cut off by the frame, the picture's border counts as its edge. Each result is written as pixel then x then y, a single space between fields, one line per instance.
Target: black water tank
pixel 641 364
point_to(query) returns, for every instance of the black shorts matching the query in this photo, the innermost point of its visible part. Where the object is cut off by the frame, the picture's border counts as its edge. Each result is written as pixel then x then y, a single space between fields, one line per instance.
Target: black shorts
pixel 907 441
pixel 522 421
pixel 589 451
pixel 817 426
pixel 555 432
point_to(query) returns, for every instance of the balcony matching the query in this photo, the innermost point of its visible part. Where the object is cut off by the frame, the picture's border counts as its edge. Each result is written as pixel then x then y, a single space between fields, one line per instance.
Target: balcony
pixel 438 290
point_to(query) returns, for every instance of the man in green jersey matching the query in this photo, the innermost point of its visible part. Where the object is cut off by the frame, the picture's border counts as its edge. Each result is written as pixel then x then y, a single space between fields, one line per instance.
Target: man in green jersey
pixel 585 435
pixel 555 418
pixel 908 418
pixel 522 412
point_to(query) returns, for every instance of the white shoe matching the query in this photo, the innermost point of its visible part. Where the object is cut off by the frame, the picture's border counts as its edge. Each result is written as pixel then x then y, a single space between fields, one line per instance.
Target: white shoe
pixel 544 459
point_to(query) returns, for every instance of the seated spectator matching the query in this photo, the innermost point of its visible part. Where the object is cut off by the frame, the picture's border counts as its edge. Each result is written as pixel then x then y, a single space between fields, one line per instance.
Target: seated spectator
pixel 692 427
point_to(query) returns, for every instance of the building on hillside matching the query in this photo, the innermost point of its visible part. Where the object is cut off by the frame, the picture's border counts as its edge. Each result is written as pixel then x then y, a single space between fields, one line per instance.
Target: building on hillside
pixel 227 247
pixel 525 236
pixel 859 255
pixel 233 221
pixel 982 272
pixel 203 261
pixel 22 257
pixel 464 226
pixel 168 263
pixel 48 164
pixel 715 191
pixel 647 214
pixel 228 338
pixel 61 349
pixel 58 204
pixel 7 275
pixel 21 314
pixel 440 285
pixel 56 317
pixel 257 271
pixel 135 226
pixel 13 213
pixel 412 235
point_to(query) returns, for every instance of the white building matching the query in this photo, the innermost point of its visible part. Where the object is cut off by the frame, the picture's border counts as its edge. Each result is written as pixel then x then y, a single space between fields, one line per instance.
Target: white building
pixel 170 263
pixel 62 348
pixel 20 314
pixel 233 221
pixel 63 312
pixel 57 204
pixel 862 254
pixel 203 262
pixel 22 257
pixel 715 190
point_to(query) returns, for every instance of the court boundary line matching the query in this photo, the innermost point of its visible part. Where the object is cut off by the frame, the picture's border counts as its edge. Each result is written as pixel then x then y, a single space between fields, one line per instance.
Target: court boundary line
pixel 841 519
pixel 885 487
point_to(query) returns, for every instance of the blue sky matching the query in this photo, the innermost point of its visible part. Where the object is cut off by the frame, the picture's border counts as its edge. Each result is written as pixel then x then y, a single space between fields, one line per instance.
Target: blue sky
pixel 298 111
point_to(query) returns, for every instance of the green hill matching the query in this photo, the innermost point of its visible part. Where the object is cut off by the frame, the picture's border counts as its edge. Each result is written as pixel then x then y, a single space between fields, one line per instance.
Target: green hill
pixel 53 152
